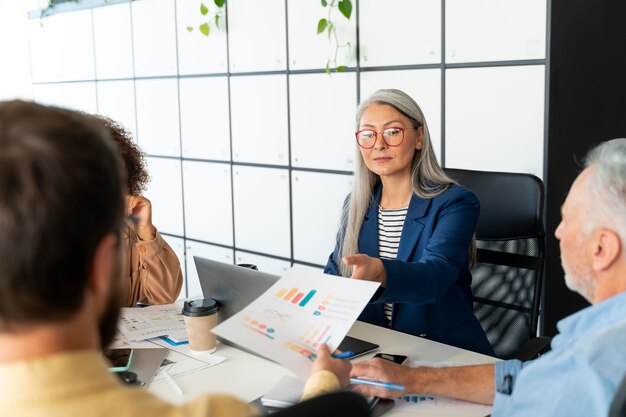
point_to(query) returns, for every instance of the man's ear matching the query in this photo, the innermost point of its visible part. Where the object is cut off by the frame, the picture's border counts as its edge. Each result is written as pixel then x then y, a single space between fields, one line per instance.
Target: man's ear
pixel 104 261
pixel 607 247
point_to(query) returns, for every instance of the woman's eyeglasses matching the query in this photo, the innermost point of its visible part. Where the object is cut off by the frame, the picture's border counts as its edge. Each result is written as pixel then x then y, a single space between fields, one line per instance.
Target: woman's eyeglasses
pixel 392 136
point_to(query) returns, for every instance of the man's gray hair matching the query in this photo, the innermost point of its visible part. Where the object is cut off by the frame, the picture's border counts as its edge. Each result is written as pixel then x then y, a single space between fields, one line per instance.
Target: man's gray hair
pixel 607 186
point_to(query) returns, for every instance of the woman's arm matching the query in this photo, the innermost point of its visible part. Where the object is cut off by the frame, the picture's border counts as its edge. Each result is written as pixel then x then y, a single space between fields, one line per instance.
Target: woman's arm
pixel 428 278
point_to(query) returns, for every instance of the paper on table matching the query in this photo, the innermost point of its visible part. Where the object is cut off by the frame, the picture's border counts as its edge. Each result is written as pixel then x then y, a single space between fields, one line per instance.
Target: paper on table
pixel 148 322
pixel 177 363
pixel 120 342
pixel 439 405
pixel 298 313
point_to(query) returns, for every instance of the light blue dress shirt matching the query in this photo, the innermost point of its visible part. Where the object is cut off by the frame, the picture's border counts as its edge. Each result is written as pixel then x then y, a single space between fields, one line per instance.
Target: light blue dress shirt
pixel 578 377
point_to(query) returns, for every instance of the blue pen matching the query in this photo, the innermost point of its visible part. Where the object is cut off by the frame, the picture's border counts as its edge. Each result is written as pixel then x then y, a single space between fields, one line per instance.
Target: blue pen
pixel 377 384
pixel 343 355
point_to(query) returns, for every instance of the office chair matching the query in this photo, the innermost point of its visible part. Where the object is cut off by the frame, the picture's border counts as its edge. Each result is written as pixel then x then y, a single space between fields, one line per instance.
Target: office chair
pixel 508 272
pixel 618 405
pixel 336 404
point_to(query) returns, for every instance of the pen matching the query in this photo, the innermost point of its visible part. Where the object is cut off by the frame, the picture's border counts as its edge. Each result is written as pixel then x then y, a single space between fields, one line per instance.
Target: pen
pixel 170 379
pixel 377 384
pixel 343 355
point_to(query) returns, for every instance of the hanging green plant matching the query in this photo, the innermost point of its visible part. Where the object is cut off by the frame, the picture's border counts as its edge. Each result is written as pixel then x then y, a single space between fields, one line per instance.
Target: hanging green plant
pixel 210 18
pixel 328 25
pixel 215 18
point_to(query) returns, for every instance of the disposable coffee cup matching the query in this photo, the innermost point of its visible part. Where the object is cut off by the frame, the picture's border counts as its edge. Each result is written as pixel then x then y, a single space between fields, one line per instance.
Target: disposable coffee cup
pixel 200 317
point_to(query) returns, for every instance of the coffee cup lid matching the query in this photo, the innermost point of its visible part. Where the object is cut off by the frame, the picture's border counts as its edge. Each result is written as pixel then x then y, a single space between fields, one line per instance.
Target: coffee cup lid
pixel 199 308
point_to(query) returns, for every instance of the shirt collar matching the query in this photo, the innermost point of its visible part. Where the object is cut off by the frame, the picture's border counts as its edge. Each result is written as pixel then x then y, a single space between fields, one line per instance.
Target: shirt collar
pixel 55 375
pixel 590 318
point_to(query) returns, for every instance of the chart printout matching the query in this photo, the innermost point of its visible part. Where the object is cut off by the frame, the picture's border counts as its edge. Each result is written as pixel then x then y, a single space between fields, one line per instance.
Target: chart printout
pixel 299 312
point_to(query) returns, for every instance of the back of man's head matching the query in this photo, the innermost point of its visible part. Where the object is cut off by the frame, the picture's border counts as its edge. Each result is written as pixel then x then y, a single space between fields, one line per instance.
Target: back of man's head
pixel 61 193
pixel 607 187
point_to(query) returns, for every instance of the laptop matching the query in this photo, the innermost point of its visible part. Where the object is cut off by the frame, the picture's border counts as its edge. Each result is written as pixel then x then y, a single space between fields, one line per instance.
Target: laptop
pixel 234 287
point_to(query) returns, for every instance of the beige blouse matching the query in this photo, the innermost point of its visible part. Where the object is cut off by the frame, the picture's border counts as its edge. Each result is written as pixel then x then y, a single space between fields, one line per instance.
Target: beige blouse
pixel 152 270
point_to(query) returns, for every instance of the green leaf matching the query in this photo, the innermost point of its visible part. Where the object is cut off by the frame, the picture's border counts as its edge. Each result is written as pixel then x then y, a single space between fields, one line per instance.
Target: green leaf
pixel 189 29
pixel 341 68
pixel 219 3
pixel 328 67
pixel 324 3
pixel 321 25
pixel 204 29
pixel 203 9
pixel 217 21
pixel 345 7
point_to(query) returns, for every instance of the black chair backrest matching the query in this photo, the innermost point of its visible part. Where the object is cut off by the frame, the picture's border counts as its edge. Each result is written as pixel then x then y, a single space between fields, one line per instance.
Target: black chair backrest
pixel 336 404
pixel 510 241
pixel 618 405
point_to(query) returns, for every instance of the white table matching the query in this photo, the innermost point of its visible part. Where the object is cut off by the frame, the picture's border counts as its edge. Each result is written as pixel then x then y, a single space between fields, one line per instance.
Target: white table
pixel 248 376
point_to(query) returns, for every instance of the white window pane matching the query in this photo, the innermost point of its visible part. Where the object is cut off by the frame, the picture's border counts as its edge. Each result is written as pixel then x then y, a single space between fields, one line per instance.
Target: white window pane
pixel 256 31
pixel 154 37
pixel 310 268
pixel 199 54
pixel 495 30
pixel 262 210
pixel 112 38
pixel 322 120
pixel 165 193
pixel 203 250
pixel 307 48
pixel 73 96
pixel 208 202
pixel 403 32
pixel 157 116
pixel 263 263
pixel 204 118
pixel 259 119
pixel 424 86
pixel 62 47
pixel 116 100
pixel 317 202
pixel 178 246
pixel 495 119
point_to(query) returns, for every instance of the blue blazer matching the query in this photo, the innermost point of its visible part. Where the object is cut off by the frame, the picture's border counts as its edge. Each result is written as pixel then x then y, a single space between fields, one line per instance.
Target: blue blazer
pixel 429 282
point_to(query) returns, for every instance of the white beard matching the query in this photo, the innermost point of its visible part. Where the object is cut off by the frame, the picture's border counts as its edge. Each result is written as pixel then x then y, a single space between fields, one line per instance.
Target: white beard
pixel 584 285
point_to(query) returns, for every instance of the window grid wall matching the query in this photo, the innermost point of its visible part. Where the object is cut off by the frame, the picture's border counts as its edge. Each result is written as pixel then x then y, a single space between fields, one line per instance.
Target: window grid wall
pixel 357 69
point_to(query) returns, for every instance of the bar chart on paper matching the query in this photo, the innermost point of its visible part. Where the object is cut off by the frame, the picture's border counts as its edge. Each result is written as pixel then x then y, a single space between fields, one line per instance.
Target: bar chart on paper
pixel 295 296
pixel 296 315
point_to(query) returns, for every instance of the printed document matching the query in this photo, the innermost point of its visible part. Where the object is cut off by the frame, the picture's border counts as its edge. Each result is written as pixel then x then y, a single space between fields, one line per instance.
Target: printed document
pixel 299 312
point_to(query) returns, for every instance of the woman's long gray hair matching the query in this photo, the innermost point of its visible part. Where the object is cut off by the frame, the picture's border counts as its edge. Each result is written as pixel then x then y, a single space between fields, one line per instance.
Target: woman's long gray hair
pixel 428 178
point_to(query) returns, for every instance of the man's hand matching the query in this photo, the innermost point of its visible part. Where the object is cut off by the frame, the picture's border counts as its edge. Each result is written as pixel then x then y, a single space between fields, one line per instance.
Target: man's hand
pixel 367 268
pixel 340 367
pixel 141 208
pixel 384 371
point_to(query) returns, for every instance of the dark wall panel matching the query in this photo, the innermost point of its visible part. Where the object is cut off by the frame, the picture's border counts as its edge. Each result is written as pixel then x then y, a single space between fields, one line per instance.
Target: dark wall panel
pixel 587 105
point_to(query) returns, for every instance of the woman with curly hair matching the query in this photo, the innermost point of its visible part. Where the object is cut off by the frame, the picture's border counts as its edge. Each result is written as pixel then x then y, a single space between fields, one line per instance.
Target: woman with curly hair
pixel 151 267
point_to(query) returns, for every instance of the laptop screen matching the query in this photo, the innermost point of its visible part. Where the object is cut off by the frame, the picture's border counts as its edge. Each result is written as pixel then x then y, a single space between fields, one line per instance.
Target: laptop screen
pixel 233 287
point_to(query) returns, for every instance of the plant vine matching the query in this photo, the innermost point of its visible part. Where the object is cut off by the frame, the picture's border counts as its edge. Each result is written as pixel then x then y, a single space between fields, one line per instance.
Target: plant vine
pixel 210 17
pixel 328 25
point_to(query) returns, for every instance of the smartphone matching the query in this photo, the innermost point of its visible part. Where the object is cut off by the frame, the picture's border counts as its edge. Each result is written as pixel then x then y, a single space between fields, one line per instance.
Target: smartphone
pixel 399 359
pixel 379 406
pixel 119 359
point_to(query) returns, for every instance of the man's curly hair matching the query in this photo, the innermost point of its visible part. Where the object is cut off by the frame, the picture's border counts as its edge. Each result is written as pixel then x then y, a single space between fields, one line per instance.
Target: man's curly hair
pixel 132 155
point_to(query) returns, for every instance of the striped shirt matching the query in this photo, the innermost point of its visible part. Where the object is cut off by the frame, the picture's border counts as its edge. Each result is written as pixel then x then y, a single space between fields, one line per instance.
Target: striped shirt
pixel 390 222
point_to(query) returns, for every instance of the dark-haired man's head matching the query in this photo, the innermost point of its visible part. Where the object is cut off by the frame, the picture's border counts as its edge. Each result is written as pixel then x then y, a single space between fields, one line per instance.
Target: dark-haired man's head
pixel 62 194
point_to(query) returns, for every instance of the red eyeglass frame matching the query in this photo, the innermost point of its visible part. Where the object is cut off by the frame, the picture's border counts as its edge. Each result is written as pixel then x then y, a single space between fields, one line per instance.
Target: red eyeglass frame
pixel 402 129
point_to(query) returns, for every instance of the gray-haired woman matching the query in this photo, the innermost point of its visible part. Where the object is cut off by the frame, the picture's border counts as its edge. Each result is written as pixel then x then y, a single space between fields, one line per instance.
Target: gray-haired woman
pixel 407 225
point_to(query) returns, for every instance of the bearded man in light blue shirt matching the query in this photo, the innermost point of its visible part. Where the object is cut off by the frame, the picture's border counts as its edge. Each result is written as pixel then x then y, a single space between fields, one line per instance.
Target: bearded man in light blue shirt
pixel 580 375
